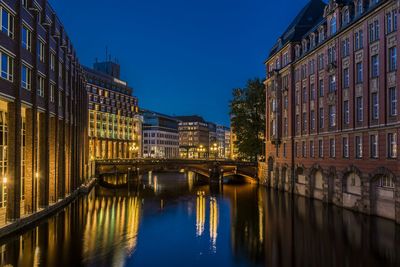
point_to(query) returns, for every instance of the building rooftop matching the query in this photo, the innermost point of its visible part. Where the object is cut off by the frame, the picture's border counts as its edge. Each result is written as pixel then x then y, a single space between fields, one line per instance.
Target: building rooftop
pixel 305 20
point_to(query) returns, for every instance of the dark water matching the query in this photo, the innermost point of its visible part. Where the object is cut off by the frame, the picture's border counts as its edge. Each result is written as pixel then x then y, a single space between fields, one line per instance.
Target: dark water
pixel 175 220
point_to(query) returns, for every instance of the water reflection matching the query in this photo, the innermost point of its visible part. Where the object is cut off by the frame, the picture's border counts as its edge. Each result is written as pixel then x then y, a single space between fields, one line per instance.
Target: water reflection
pixel 175 219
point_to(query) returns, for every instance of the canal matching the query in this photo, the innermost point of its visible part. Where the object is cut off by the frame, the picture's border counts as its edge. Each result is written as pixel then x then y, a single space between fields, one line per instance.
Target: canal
pixel 176 219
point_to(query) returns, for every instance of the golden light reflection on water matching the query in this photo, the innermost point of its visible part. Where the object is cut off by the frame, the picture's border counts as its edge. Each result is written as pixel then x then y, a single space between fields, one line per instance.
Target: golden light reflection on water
pixel 112 224
pixel 213 223
pixel 200 213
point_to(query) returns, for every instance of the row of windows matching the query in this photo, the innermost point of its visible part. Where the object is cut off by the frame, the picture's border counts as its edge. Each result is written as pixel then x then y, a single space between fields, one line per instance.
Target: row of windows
pixel 358 147
pixel 161 142
pixel 111 95
pixel 359 112
pixel 301 73
pixel 161 135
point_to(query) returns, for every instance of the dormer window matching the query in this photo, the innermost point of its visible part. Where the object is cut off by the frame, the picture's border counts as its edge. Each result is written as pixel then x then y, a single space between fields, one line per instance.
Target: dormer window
pixel 305 46
pixel 333 25
pixel 346 17
pixel 312 41
pixel 321 35
pixel 360 7
pixel 297 51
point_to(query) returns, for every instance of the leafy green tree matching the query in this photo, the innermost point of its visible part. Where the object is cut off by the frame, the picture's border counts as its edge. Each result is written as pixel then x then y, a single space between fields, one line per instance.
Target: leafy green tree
pixel 247 110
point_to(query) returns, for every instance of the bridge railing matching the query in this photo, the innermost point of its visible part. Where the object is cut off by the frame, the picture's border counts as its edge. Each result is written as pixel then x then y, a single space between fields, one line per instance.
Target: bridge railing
pixel 179 161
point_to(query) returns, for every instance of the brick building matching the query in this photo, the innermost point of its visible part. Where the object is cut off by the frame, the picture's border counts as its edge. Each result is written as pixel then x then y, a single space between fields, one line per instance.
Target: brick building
pixel 115 126
pixel 43 103
pixel 332 106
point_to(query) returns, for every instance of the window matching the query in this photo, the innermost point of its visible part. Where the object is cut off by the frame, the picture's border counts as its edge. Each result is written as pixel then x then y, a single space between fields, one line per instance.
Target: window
pixel 41 51
pixel 375 106
pixel 359 149
pixel 7 22
pixel 346 112
pixel 331 55
pixel 320 148
pixel 321 88
pixel 345 144
pixel 40 90
pixel 332 147
pixel 346 17
pixel 392 145
pixel 374 146
pixel 312 92
pixel 391 21
pixel 304 122
pixel 358 40
pixel 320 61
pixel 298 124
pixel 346 47
pixel 312 149
pixel 346 78
pixel 52 61
pixel 359 108
pixel 304 95
pixel 26 38
pixel 60 70
pixel 332 83
pixel 374 66
pixel 332 116
pixel 7 66
pixel 321 118
pixel 359 72
pixel 26 77
pixel 312 120
pixel 285 102
pixel 25 3
pixel 392 101
pixel 303 149
pixel 311 66
pixel 52 90
pixel 392 59
pixel 386 182
pixel 374 31
pixel 285 126
pixel 333 25
pixel 359 7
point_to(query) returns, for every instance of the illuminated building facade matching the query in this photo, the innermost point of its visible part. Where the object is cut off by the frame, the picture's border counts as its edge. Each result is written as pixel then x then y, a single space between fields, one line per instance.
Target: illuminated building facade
pixel 332 106
pixel 115 126
pixel 223 142
pixel 194 138
pixel 43 123
pixel 160 135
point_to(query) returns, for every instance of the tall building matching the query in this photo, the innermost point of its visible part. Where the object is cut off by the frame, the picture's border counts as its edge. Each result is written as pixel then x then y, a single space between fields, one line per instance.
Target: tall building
pixel 43 123
pixel 160 135
pixel 194 137
pixel 332 106
pixel 115 126
pixel 223 141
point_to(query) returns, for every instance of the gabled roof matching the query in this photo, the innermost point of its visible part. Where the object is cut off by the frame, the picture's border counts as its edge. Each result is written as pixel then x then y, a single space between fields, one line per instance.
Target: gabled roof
pixel 307 18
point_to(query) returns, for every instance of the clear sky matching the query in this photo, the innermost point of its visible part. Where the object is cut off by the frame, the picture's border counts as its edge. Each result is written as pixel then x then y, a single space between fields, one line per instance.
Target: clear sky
pixel 182 57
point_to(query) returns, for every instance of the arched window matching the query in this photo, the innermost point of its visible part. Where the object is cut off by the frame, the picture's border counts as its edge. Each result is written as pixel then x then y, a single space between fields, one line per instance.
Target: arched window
pixel 346 17
pixel 386 182
pixel 333 25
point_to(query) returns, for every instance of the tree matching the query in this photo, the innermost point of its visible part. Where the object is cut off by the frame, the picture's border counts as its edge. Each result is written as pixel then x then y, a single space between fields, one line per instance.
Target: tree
pixel 247 110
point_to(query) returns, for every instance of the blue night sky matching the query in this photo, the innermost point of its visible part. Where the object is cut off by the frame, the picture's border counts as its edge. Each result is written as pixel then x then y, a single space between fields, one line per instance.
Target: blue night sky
pixel 182 57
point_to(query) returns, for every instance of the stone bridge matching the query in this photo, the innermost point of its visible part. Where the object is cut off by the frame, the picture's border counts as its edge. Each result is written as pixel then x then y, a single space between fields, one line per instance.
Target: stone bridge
pixel 215 170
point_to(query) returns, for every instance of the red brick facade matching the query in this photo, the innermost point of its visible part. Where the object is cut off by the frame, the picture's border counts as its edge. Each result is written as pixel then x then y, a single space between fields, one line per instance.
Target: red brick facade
pixel 332 106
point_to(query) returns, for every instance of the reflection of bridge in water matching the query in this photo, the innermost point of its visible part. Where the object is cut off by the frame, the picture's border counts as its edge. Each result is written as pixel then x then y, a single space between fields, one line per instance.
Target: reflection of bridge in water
pixel 213 170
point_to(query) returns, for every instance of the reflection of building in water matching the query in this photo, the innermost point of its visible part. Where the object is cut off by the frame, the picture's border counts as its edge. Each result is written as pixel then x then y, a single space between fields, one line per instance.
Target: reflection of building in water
pixel 190 179
pixel 213 223
pixel 111 222
pixel 200 213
